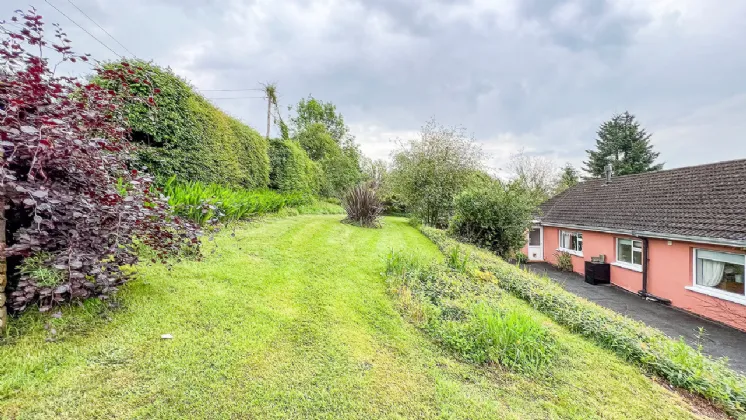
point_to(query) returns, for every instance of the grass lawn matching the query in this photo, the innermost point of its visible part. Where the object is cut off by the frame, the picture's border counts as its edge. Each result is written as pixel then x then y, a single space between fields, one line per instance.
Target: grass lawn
pixel 291 319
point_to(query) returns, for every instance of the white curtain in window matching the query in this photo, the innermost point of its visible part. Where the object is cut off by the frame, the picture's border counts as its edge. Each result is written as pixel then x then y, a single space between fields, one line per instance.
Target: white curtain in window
pixel 712 273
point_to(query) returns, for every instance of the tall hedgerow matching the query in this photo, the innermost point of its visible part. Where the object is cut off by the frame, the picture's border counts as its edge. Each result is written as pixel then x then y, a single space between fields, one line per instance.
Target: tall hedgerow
pixel 183 135
pixel 292 169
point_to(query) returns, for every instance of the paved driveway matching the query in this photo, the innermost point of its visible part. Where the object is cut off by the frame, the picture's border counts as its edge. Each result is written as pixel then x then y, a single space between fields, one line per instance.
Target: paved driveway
pixel 718 341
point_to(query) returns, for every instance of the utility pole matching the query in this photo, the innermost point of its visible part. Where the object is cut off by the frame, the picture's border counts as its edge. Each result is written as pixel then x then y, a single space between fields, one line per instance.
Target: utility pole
pixel 269 113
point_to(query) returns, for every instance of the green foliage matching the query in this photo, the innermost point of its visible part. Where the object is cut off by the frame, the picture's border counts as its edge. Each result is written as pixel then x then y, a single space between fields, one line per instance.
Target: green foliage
pixel 569 178
pixel 315 207
pixel 341 171
pixel 292 169
pixel 512 337
pixel 495 217
pixel 429 172
pixel 362 206
pixel 521 258
pixel 187 137
pixel 564 261
pixel 38 269
pixel 626 145
pixel 399 263
pixel 458 260
pixel 312 111
pixel 208 202
pixel 415 222
pixel 317 142
pixel 321 132
pixel 468 315
pixel 681 365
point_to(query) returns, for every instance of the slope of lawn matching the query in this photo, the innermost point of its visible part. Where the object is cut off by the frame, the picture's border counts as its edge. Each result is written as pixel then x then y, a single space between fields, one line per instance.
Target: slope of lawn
pixel 290 318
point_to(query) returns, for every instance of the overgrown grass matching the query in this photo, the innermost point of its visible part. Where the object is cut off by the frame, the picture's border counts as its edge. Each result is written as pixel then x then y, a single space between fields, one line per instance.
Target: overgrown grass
pixel 205 202
pixel 672 360
pixel 468 315
pixel 290 318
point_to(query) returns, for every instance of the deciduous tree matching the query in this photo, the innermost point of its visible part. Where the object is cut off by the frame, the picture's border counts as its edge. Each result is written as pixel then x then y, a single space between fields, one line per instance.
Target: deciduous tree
pixel 430 171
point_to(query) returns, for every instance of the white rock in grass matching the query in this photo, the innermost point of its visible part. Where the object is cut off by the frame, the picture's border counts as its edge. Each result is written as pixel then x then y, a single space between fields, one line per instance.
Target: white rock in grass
pixel 167 336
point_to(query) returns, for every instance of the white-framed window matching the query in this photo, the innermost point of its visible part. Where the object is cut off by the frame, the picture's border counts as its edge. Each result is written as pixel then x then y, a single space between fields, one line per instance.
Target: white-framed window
pixel 629 252
pixel 720 274
pixel 571 242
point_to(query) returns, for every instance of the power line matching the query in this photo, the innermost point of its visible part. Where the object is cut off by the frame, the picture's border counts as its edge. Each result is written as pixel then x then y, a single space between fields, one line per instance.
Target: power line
pixel 100 27
pixel 243 97
pixel 229 90
pixel 84 30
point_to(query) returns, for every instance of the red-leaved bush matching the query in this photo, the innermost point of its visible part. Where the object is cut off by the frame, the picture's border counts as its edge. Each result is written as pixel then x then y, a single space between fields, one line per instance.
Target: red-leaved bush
pixel 65 185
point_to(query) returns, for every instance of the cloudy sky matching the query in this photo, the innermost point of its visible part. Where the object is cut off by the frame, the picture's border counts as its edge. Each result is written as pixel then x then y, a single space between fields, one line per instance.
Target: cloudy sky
pixel 538 75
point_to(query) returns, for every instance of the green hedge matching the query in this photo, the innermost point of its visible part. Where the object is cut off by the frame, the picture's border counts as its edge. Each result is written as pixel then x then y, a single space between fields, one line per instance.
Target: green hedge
pixel 292 169
pixel 187 137
pixel 673 360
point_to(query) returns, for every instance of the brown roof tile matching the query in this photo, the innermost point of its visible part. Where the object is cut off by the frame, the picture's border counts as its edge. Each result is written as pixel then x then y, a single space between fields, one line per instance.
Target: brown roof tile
pixel 707 201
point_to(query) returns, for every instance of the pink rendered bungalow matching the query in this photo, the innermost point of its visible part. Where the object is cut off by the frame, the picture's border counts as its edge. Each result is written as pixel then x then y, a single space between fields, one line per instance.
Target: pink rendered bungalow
pixel 677 236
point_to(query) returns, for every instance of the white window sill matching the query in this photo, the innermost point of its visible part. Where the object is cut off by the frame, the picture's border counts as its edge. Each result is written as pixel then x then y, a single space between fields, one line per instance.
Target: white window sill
pixel 628 266
pixel 571 252
pixel 720 294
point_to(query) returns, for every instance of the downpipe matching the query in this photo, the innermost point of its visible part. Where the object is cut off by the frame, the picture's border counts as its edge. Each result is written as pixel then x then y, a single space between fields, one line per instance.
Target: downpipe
pixel 644 292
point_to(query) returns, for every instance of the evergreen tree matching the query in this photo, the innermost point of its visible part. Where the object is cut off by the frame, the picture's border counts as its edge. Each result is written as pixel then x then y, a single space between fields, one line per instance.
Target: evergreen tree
pixel 623 143
pixel 568 178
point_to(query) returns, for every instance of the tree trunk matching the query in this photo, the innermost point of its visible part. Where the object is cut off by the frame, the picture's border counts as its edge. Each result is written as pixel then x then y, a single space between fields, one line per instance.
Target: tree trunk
pixel 3 270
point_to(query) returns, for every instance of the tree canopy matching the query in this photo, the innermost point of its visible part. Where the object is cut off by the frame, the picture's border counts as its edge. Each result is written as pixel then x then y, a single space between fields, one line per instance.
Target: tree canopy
pixel 310 111
pixel 626 145
pixel 568 178
pixel 429 172
pixel 320 130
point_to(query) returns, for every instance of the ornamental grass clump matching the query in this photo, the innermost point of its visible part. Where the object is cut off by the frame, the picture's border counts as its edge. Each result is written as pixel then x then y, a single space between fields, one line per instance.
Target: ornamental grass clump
pixel 362 206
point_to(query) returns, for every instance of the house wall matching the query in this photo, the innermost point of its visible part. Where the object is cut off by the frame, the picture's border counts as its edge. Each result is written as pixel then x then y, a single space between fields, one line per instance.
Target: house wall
pixel 670 271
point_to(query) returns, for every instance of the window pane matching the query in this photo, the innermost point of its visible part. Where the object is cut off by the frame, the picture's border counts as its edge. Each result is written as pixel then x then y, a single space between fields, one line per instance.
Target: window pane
pixel 534 237
pixel 624 252
pixel 580 242
pixel 720 275
pixel 720 256
pixel 636 257
pixel 574 242
pixel 637 244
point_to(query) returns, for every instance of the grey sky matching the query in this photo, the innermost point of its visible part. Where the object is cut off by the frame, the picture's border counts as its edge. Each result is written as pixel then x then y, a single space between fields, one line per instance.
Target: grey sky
pixel 534 74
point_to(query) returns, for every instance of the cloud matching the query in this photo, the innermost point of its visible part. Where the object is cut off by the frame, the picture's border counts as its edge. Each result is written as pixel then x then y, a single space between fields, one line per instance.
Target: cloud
pixel 534 74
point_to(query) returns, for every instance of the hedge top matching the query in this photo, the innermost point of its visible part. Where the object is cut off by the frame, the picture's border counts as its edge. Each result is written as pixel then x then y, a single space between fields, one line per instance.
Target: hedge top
pixel 186 136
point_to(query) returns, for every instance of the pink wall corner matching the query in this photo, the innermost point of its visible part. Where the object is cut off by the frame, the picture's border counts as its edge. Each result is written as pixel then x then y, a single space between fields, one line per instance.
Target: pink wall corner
pixel 671 271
